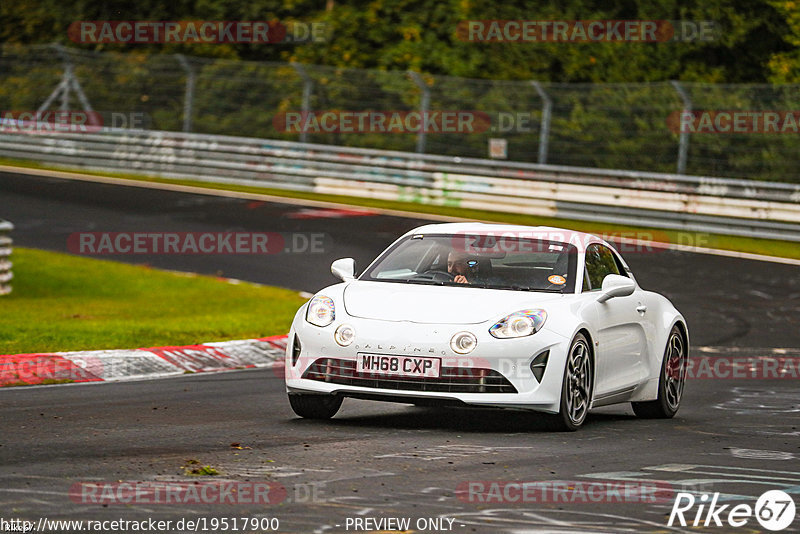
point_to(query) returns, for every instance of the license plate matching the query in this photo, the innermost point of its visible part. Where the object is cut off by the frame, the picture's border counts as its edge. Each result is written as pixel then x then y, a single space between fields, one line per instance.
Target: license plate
pixel 380 364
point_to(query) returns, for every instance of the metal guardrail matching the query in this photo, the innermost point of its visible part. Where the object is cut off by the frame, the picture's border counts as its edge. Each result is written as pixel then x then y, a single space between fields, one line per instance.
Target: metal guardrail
pixel 691 203
pixel 607 125
pixel 5 254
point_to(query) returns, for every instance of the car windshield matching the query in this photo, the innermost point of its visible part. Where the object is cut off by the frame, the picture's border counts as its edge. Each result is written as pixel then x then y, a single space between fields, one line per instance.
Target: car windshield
pixel 479 261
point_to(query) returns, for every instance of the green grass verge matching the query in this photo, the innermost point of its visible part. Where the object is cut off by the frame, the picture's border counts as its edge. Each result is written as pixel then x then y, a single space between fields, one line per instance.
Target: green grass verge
pixel 62 302
pixel 769 247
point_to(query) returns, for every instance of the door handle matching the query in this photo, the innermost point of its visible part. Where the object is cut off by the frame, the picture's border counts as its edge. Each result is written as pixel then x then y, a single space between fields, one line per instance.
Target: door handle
pixel 641 308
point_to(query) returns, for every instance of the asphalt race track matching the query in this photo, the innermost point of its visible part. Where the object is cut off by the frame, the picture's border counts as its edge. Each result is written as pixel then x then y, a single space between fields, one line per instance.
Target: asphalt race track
pixel 735 437
pixel 727 301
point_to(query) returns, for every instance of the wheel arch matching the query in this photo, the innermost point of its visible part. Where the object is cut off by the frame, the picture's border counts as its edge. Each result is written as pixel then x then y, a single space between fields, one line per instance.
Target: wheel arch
pixel 683 330
pixel 684 333
pixel 585 331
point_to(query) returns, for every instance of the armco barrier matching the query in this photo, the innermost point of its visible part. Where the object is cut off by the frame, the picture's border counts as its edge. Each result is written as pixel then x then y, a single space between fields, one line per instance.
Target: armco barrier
pixel 691 203
pixel 5 257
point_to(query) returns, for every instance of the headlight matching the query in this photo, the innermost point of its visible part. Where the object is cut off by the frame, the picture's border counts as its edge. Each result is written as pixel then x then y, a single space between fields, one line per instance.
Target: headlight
pixel 463 343
pixel 519 324
pixel 344 335
pixel 320 311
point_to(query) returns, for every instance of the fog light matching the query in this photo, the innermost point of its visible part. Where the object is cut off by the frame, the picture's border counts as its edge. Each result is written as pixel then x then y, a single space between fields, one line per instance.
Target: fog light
pixel 463 343
pixel 344 335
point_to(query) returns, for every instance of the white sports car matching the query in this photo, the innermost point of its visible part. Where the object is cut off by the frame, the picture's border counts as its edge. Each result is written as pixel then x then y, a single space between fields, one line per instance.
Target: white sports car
pixel 499 316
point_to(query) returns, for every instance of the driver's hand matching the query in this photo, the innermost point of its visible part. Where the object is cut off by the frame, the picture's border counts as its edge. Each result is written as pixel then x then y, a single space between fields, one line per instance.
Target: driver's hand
pixel 461 279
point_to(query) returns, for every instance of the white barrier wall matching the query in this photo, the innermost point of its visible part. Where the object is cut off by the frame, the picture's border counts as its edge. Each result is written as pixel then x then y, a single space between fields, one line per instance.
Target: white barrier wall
pixel 692 203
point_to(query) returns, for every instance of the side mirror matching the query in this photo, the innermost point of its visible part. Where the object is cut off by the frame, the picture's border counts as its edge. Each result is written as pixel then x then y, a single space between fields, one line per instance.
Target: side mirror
pixel 344 269
pixel 615 285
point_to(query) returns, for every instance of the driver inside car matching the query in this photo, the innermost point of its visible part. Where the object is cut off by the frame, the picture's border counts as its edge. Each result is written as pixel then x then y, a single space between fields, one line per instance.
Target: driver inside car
pixel 462 267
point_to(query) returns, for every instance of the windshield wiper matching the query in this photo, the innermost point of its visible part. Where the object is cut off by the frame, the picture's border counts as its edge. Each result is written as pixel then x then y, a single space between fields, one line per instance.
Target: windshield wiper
pixel 422 282
pixel 516 287
pixel 512 287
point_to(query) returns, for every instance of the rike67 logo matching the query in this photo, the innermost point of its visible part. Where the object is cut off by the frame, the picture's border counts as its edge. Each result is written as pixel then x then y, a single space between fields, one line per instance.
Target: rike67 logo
pixel 774 510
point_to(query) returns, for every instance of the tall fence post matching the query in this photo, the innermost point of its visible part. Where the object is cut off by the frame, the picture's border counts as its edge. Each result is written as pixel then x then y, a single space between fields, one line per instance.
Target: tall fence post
pixel 69 82
pixel 188 96
pixel 544 130
pixel 308 87
pixel 683 143
pixel 5 254
pixel 424 104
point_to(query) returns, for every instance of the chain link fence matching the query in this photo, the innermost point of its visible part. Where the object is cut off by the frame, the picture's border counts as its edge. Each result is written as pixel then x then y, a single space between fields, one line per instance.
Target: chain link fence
pixel 616 126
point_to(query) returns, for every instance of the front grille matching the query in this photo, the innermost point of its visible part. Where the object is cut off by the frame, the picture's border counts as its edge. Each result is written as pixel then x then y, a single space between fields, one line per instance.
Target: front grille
pixel 452 379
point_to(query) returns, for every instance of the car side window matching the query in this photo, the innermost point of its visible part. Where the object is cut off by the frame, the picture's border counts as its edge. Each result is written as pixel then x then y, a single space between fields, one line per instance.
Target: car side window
pixel 600 262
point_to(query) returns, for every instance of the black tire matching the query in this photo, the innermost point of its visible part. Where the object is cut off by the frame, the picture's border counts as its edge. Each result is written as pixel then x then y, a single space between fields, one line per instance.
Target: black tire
pixel 576 388
pixel 670 382
pixel 315 406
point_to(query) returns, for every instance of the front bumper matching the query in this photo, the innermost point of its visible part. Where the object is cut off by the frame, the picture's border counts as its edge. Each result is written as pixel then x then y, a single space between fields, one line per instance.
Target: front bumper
pixel 496 374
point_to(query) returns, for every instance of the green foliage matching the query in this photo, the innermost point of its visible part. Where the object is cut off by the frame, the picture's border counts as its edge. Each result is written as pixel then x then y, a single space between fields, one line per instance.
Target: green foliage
pixel 611 101
pixel 785 66
pixel 62 302
pixel 756 40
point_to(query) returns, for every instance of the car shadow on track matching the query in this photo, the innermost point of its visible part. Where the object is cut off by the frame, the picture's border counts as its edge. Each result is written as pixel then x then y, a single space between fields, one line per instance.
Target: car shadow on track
pixel 463 420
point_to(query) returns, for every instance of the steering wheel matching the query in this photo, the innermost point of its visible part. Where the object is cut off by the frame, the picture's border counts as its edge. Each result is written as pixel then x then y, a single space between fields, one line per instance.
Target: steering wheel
pixel 435 275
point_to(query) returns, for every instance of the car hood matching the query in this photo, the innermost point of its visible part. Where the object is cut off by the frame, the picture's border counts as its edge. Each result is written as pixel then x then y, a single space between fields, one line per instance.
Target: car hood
pixel 390 301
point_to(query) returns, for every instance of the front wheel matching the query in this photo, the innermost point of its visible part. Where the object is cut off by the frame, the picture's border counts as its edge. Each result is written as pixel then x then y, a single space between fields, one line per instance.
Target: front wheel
pixel 315 406
pixel 576 389
pixel 670 382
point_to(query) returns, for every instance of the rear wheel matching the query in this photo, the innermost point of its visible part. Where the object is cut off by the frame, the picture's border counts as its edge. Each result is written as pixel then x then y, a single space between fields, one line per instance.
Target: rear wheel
pixel 670 382
pixel 576 389
pixel 315 406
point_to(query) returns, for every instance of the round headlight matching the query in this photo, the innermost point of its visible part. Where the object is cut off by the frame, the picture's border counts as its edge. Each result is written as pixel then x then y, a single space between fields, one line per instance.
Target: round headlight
pixel 320 311
pixel 519 324
pixel 463 343
pixel 344 335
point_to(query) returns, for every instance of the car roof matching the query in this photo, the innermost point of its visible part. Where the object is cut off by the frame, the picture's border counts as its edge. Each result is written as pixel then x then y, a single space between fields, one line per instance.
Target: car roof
pixel 551 233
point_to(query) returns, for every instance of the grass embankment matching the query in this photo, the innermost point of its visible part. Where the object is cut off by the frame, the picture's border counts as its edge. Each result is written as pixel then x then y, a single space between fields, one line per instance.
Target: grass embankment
pixel 62 303
pixel 769 247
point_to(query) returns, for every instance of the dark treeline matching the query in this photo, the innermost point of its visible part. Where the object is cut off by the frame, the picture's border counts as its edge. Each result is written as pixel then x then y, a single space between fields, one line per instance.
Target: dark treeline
pixel 755 41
